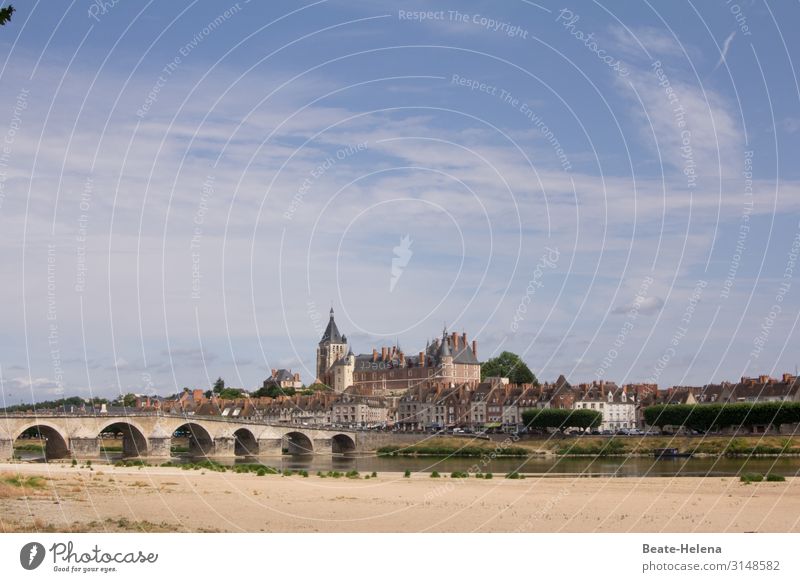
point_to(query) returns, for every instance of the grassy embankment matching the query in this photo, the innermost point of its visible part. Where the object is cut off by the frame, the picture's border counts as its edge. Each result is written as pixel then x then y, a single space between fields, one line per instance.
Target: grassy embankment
pixel 455 447
pixel 600 446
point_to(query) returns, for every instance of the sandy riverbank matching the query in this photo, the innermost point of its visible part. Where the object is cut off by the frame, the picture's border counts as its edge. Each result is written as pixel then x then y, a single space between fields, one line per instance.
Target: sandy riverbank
pixel 169 499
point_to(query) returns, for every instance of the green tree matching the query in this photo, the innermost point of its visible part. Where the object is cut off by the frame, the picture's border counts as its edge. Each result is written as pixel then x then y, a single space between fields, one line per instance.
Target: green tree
pixel 230 393
pixel 5 14
pixel 273 391
pixel 219 386
pixel 562 418
pixel 509 365
pixel 129 400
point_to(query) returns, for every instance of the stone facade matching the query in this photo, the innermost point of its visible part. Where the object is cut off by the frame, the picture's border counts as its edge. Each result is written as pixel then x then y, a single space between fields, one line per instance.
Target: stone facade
pixel 450 360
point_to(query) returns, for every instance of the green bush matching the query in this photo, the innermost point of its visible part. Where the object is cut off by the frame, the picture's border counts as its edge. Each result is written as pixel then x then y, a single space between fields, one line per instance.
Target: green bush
pixel 435 475
pixel 751 478
pixel 772 477
pixel 288 472
pixel 131 463
pixel 487 475
pixel 211 466
pixel 514 475
pixel 74 462
pixel 304 473
pixel 353 474
pixel 459 475
pixel 407 474
pixel 612 446
pixel 374 475
pixel 261 472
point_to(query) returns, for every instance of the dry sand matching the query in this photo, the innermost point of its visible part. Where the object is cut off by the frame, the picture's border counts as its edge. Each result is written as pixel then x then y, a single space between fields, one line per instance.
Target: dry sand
pixel 169 499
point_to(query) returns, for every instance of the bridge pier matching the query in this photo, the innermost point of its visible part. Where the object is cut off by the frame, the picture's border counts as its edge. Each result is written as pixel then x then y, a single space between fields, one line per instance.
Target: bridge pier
pixel 159 443
pixel 323 446
pixel 6 449
pixel 270 447
pixel 159 447
pixel 84 448
pixel 225 446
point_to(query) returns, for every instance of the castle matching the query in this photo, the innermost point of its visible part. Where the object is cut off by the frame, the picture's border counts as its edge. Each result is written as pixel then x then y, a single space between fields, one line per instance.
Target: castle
pixel 450 360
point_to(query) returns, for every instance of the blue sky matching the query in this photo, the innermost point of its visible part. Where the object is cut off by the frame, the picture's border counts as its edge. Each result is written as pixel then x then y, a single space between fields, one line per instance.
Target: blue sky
pixel 187 187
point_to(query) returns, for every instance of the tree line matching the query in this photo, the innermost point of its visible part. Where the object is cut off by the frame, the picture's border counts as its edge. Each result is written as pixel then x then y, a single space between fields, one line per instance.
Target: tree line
pixel 705 417
pixel 61 403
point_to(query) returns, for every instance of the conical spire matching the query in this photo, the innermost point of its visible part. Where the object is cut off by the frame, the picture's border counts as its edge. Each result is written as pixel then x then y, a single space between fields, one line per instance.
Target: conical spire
pixel 332 332
pixel 445 344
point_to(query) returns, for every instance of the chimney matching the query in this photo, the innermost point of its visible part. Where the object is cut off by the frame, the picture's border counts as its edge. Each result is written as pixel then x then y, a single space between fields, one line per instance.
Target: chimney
pixel 464 340
pixel 374 355
pixel 384 352
pixel 422 359
pixel 274 371
pixel 475 348
pixel 455 341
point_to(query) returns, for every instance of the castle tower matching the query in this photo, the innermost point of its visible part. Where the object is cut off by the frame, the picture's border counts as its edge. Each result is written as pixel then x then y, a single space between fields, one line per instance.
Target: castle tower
pixel 448 369
pixel 332 347
pixel 342 372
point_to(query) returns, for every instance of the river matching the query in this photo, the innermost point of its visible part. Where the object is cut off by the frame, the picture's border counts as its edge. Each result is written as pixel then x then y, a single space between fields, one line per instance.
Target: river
pixel 621 466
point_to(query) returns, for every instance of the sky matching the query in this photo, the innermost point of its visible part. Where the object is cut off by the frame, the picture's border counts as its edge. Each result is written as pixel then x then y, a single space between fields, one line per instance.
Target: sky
pixel 187 188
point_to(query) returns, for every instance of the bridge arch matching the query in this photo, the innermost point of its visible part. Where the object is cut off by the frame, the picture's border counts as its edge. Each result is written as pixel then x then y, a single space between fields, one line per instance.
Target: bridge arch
pixel 297 443
pixel 245 443
pixel 342 443
pixel 134 443
pixel 56 446
pixel 201 442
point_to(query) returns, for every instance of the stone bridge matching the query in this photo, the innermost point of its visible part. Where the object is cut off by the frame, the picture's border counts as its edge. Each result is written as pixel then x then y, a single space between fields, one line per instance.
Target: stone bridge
pixel 150 435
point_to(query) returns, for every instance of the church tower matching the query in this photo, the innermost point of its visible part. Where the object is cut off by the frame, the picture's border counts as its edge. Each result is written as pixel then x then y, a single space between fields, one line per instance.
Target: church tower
pixel 332 347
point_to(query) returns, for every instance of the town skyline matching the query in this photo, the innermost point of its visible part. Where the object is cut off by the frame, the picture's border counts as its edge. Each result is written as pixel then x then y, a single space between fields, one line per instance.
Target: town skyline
pixel 599 193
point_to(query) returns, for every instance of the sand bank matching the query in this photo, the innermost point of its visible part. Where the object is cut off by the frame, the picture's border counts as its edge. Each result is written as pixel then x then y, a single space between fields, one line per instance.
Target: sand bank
pixel 170 499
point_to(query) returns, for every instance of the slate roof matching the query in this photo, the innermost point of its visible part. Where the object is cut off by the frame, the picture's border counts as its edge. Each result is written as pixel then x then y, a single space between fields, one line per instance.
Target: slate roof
pixel 332 333
pixel 283 375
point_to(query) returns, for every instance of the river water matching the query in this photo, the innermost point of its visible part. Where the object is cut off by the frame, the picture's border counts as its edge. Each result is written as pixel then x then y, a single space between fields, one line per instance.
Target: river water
pixel 547 466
